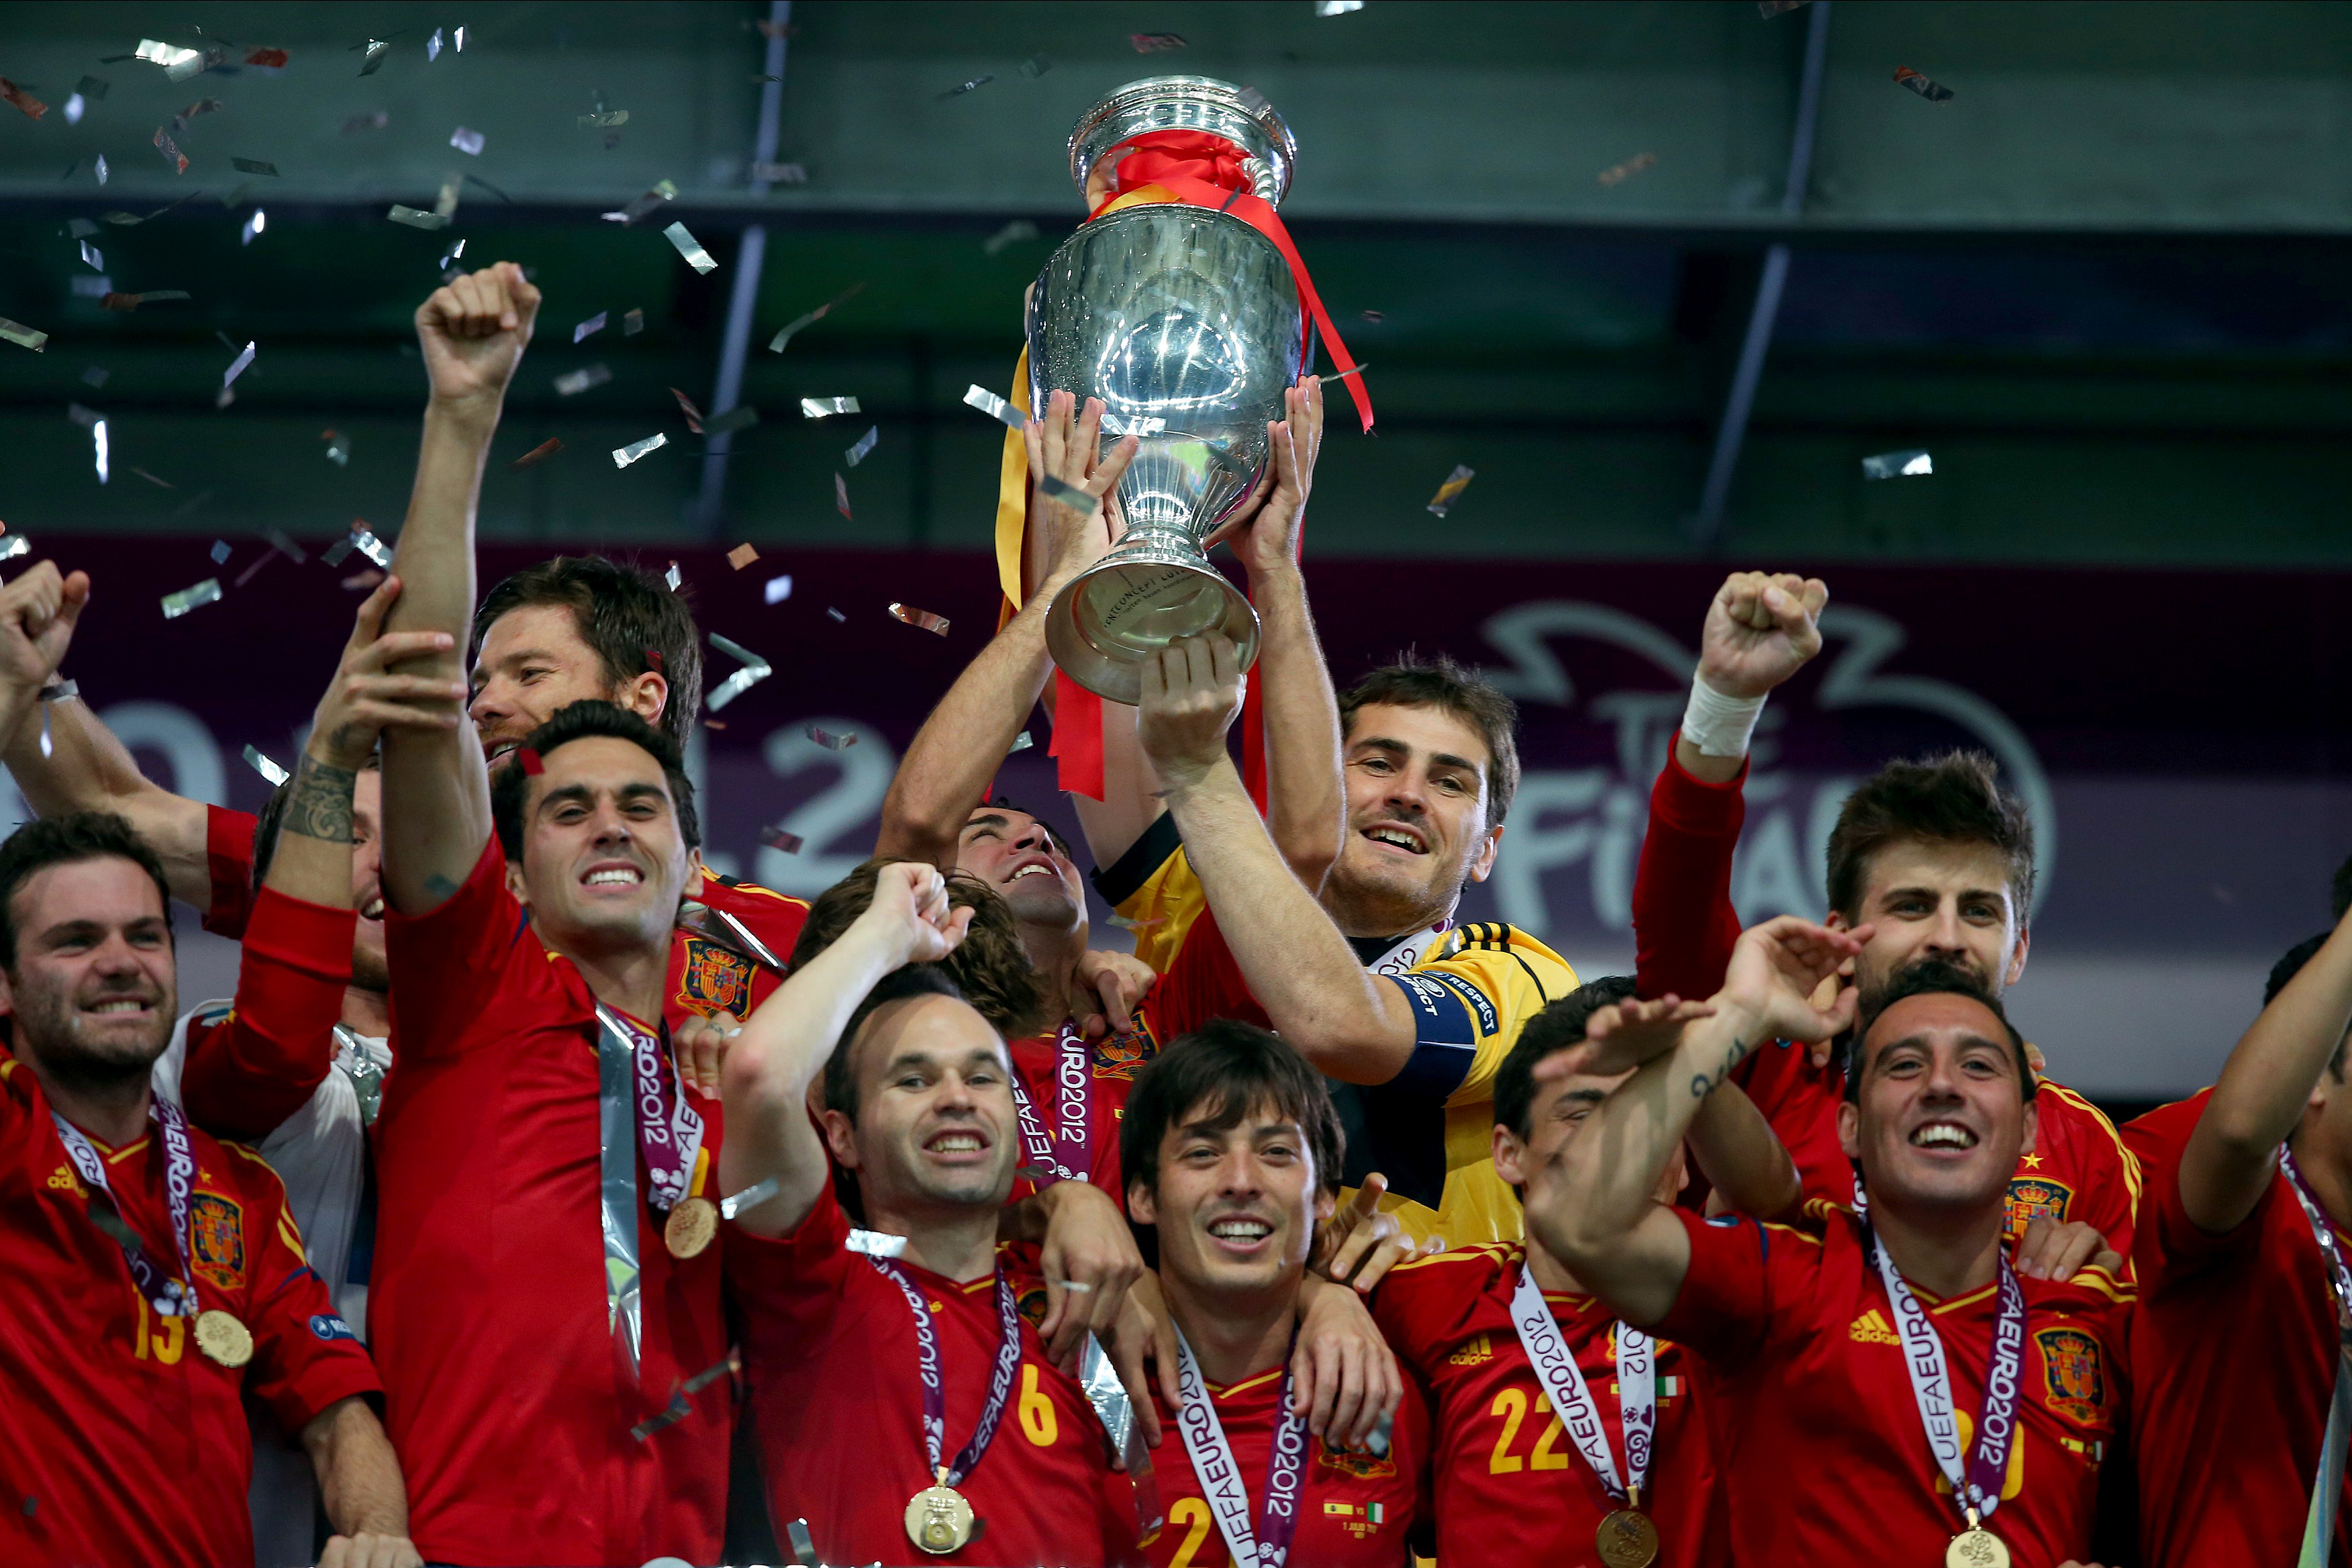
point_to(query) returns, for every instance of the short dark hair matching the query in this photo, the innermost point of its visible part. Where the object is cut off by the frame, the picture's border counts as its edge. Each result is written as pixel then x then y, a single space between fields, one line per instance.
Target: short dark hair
pixel 273 817
pixel 631 618
pixel 1224 1070
pixel 1006 803
pixel 510 786
pixel 1559 1026
pixel 913 980
pixel 62 841
pixel 1954 798
pixel 989 967
pixel 1935 977
pixel 2287 968
pixel 1413 682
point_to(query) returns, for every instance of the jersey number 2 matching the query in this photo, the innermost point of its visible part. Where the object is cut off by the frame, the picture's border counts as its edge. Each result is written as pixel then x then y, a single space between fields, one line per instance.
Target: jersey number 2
pixel 1511 1405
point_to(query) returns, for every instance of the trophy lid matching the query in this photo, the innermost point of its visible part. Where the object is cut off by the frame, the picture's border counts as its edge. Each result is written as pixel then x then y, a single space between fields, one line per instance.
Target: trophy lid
pixel 1241 115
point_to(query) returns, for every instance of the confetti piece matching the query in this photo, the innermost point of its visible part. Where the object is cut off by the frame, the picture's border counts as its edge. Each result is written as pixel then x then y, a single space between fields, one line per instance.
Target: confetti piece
pixel 455 251
pixel 1062 493
pixel 572 383
pixel 1629 168
pixel 624 456
pixel 259 761
pixel 1337 8
pixel 781 174
pixel 172 154
pixel 416 217
pixel 663 191
pixel 202 106
pixel 829 741
pixel 632 324
pixel 269 59
pixel 826 407
pixel 689 248
pixel 74 107
pixel 33 107
pixel 593 325
pixel 1155 43
pixel 151 479
pixel 1013 233
pixel 995 407
pixel 1897 465
pixel 1770 8
pixel 539 454
pixel 1035 65
pixel 923 618
pixel 875 1243
pixel 742 555
pixel 755 670
pixel 961 88
pixel 237 366
pixel 743 416
pixel 254 166
pixel 1021 743
pixel 338 448
pixel 220 551
pixel 1933 92
pixel 363 539
pixel 288 547
pixel 100 168
pixel 839 619
pixel 92 258
pixel 1351 370
pixel 693 415
pixel 445 205
pixel 467 141
pixel 253 225
pixel 776 344
pixel 778 589
pixel 790 844
pixel 433 46
pixel 865 447
pixel 180 604
pixel 1456 483
pixel 528 759
pixel 133 301
pixel 17 544
pixel 841 496
pixel 597 121
pixel 170 57
pixel 18 333
pixel 376 121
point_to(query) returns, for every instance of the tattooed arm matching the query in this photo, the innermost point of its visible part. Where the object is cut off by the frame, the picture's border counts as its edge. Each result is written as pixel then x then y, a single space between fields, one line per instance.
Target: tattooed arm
pixel 1594 1205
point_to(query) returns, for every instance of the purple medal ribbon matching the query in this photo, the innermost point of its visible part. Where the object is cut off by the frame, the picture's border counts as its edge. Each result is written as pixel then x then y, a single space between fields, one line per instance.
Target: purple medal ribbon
pixel 934 1380
pixel 1066 1153
pixel 1265 1543
pixel 171 1297
pixel 669 1131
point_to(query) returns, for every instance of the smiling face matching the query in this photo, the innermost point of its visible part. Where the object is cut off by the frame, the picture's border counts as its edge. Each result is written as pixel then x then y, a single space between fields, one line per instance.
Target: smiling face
pixel 1942 1116
pixel 1018 855
pixel 933 1127
pixel 531 662
pixel 1559 1109
pixel 604 864
pixel 93 989
pixel 1236 1207
pixel 370 969
pixel 1927 900
pixel 1417 782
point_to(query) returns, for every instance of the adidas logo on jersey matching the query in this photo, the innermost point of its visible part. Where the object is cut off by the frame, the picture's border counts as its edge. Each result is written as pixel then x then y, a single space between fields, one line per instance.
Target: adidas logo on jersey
pixel 1872 1328
pixel 1476 1351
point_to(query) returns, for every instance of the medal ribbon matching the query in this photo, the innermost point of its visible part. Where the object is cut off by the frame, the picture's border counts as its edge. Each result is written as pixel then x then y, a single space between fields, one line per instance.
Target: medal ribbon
pixel 1410 951
pixel 669 1131
pixel 2339 1275
pixel 1931 1385
pixel 1571 1397
pixel 2327 1486
pixel 1265 1545
pixel 171 1297
pixel 935 1393
pixel 1066 1153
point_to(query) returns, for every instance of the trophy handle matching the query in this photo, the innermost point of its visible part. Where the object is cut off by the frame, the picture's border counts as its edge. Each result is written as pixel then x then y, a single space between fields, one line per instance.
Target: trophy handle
pixel 1121 611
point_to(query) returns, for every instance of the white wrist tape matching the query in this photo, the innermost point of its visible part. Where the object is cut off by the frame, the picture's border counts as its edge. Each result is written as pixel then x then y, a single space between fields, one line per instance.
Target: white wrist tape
pixel 1718 725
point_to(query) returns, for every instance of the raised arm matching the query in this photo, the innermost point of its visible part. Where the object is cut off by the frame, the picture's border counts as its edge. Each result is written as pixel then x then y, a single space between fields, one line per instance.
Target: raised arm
pixel 360 1483
pixel 1353 1025
pixel 946 768
pixel 2270 1077
pixel 437 796
pixel 1594 1207
pixel 88 769
pixel 1742 1158
pixel 786 1043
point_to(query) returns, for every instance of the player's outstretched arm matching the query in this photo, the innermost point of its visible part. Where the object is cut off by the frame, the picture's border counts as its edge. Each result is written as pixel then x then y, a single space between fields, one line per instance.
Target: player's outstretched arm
pixel 1594 1205
pixel 1742 1158
pixel 437 797
pixel 786 1043
pixel 360 1482
pixel 1761 628
pixel 1353 1025
pixel 2269 1078
pixel 946 770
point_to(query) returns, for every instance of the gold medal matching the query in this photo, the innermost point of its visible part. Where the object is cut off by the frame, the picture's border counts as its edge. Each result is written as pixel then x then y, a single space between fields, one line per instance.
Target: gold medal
pixel 939 1519
pixel 224 1340
pixel 1975 1547
pixel 1627 1539
pixel 693 1223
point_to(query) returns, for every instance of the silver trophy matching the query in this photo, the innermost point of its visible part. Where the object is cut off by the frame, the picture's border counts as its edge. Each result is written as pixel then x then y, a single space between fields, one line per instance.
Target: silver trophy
pixel 1186 322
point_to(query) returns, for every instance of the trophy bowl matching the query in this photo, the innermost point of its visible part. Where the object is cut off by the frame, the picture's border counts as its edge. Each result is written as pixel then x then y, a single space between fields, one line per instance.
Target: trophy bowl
pixel 1186 324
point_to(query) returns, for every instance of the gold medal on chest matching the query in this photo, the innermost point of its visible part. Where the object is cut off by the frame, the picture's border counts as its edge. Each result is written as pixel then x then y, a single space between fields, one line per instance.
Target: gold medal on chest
pixel 224 1340
pixel 693 1223
pixel 1975 1547
pixel 1626 1538
pixel 939 1519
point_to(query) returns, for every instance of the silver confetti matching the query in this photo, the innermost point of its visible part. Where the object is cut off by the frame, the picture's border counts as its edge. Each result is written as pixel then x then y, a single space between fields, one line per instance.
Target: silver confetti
pixel 825 407
pixel 220 551
pixel 663 191
pixel 673 577
pixel 236 367
pixel 595 323
pixel 776 344
pixel 858 453
pixel 572 383
pixel 689 248
pixel 100 168
pixel 445 203
pixel 1062 493
pixel 364 540
pixel 13 546
pixel 465 141
pixel 624 456
pixel 433 46
pixel 632 324
pixel 597 121
pixel 93 258
pixel 1013 233
pixel 778 589
pixel 259 761
pixel 750 1197
pixel 18 333
pixel 995 407
pixel 875 1243
pixel 1337 8
pixel 339 449
pixel 252 166
pixel 1021 743
pixel 829 741
pixel 755 670
pixel 174 61
pixel 961 88
pixel 804 1544
pixel 254 224
pixel 1897 465
pixel 180 604
pixel 415 217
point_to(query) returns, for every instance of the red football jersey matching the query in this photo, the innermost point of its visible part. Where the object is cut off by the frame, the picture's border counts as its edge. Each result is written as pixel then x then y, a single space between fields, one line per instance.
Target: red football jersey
pixel 1683 928
pixel 830 1351
pixel 1504 1470
pixel 1112 1063
pixel 245 1073
pixel 1830 1464
pixel 2233 1363
pixel 122 1442
pixel 506 1398
pixel 704 977
pixel 1354 1510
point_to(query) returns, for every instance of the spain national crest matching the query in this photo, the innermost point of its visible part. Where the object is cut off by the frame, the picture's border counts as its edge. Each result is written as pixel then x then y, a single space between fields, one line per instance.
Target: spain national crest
pixel 216 1240
pixel 2072 1377
pixel 2033 1197
pixel 1331 1461
pixel 1119 1054
pixel 713 980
